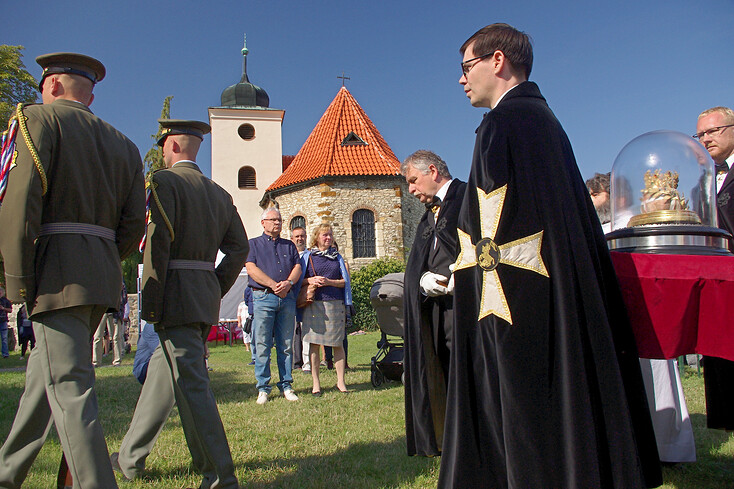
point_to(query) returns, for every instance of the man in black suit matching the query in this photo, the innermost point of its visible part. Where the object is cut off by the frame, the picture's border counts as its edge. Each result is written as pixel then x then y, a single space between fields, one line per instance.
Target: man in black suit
pixel 715 130
pixel 429 301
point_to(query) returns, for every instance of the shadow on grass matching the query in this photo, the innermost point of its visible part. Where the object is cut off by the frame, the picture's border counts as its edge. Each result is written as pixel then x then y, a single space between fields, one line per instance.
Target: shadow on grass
pixel 361 465
pixel 714 467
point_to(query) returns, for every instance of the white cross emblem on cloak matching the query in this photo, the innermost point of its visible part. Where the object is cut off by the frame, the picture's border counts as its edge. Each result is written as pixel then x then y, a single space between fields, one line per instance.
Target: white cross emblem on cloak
pixel 486 254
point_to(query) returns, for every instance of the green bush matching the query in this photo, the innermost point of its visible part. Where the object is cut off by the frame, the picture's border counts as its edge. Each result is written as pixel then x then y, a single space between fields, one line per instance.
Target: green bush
pixel 365 317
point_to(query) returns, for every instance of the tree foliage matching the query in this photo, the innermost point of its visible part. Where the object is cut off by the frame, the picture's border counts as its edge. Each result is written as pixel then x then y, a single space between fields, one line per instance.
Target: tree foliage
pixel 153 161
pixel 154 157
pixel 16 84
pixel 365 317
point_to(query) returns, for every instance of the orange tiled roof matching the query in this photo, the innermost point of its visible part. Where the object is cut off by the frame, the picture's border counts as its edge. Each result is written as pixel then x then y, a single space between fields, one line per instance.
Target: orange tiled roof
pixel 324 155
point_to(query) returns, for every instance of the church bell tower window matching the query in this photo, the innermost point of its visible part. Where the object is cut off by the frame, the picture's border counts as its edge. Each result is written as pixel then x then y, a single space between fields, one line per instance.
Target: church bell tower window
pixel 246 178
pixel 246 132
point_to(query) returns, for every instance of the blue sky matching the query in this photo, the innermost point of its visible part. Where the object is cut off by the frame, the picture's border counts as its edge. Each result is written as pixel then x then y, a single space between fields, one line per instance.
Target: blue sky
pixel 609 70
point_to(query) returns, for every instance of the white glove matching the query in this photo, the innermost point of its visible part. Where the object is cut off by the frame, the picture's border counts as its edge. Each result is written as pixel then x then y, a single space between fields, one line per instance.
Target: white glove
pixel 450 286
pixel 430 285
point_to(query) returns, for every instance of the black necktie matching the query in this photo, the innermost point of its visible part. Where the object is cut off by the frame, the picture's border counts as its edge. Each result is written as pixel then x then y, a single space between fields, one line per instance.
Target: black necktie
pixel 722 167
pixel 433 205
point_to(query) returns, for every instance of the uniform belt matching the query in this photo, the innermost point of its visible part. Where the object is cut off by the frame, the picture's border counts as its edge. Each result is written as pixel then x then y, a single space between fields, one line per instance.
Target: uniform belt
pixel 77 228
pixel 207 266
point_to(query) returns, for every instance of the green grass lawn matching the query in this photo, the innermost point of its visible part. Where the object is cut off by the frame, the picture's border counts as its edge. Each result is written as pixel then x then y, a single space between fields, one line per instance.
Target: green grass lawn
pixel 351 441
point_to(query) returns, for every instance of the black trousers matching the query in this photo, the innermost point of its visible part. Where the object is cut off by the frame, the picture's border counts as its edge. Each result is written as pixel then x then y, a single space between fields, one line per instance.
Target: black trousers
pixel 717 375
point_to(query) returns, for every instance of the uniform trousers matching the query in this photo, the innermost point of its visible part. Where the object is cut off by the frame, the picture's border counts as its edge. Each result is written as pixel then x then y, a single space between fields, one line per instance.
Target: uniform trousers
pixel 59 389
pixel 114 329
pixel 183 351
pixel 151 412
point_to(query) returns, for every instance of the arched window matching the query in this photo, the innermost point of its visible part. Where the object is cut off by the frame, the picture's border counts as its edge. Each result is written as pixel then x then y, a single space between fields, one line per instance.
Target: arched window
pixel 246 178
pixel 297 222
pixel 363 233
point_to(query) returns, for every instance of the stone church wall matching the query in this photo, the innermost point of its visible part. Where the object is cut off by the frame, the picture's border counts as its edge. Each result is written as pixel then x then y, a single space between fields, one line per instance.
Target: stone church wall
pixel 334 201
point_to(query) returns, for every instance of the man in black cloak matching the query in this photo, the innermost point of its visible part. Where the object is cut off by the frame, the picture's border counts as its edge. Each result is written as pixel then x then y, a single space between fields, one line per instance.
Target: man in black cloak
pixel 545 388
pixel 715 130
pixel 428 301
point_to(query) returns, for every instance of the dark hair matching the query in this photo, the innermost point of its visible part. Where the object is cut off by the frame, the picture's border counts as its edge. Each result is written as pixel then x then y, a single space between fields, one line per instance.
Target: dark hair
pixel 598 183
pixel 514 44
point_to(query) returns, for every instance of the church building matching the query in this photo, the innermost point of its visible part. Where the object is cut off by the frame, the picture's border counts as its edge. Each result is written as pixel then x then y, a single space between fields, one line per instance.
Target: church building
pixel 345 174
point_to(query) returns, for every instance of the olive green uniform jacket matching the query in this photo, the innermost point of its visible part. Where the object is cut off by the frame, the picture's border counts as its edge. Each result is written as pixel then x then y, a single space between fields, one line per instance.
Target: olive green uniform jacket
pixel 203 220
pixel 94 176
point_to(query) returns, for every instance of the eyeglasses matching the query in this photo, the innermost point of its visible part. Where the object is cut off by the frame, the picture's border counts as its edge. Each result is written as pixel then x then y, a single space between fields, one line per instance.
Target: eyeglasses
pixel 273 220
pixel 466 67
pixel 714 131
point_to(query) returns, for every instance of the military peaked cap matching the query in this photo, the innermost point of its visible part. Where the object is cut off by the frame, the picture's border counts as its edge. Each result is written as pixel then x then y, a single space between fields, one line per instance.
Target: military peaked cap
pixel 71 64
pixel 171 127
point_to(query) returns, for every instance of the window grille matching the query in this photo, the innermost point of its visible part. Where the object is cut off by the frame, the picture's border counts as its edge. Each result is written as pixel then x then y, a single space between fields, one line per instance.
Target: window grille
pixel 363 233
pixel 246 178
pixel 246 132
pixel 297 222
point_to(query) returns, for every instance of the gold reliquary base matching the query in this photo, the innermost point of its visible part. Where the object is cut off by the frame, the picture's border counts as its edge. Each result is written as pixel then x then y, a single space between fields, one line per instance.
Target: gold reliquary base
pixel 665 217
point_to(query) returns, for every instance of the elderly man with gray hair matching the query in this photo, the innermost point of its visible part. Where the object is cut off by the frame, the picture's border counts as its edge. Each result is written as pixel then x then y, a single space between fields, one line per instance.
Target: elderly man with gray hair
pixel 715 130
pixel 273 266
pixel 429 300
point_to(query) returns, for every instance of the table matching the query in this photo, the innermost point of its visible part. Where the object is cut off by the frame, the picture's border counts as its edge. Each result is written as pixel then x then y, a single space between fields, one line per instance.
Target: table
pixel 679 304
pixel 226 330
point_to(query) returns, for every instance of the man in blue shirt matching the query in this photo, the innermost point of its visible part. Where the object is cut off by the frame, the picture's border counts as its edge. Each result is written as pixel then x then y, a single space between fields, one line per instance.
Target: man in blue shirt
pixel 273 266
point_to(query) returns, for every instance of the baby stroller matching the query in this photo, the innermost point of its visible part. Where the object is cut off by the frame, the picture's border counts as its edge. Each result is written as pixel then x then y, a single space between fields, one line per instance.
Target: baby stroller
pixel 386 296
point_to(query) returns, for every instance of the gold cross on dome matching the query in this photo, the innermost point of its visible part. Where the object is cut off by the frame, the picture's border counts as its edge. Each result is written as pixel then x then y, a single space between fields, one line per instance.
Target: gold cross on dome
pixel 487 255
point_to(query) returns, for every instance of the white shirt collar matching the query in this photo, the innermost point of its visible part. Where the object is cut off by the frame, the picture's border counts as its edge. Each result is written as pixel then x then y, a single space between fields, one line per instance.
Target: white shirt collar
pixel 441 194
pixel 503 96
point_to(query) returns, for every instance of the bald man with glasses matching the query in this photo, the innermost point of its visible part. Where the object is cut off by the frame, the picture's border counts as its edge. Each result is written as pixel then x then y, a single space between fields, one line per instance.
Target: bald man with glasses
pixel 715 130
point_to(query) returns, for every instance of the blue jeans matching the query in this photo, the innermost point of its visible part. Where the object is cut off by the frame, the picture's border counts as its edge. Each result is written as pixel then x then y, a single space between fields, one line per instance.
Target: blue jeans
pixel 253 341
pixel 274 318
pixel 4 337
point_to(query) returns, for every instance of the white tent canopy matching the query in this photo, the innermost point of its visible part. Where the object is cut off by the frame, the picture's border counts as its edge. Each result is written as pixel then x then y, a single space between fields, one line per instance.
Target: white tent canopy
pixel 231 300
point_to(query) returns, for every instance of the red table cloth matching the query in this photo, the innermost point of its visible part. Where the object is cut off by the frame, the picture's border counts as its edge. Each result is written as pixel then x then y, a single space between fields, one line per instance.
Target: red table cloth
pixel 679 304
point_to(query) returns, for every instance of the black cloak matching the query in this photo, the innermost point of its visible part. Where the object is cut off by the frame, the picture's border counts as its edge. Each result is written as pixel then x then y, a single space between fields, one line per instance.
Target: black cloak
pixel 718 372
pixel 550 395
pixel 425 385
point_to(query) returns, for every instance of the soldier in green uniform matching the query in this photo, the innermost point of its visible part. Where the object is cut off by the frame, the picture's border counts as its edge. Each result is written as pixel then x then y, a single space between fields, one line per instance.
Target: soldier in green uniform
pixel 191 218
pixel 74 207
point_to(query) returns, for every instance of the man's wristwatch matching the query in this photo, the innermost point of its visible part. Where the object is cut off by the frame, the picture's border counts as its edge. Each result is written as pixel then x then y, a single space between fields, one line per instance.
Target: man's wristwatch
pixel 290 282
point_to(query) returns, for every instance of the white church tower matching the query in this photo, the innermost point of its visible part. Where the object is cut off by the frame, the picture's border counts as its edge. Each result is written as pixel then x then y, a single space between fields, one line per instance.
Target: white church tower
pixel 247 150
